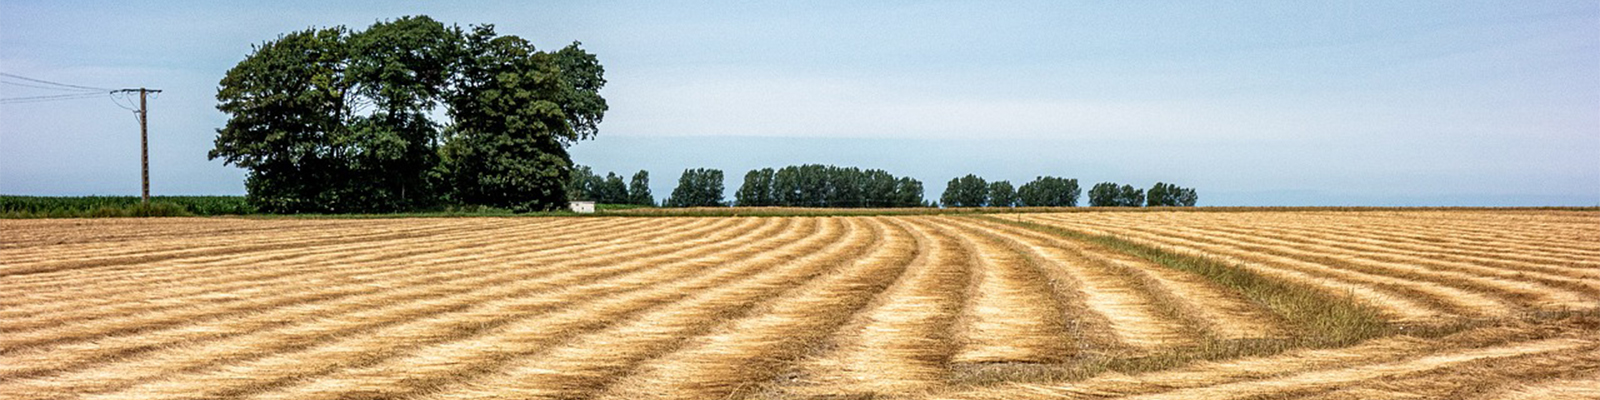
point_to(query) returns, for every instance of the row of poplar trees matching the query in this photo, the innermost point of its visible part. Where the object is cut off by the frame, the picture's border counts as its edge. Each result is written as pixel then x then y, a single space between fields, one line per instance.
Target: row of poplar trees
pixel 1044 191
pixel 698 187
pixel 1047 191
pixel 1107 194
pixel 586 185
pixel 336 120
pixel 814 185
pixel 810 185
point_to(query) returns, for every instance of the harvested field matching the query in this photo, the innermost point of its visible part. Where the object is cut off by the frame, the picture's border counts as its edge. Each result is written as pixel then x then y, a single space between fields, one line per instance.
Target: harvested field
pixel 1147 305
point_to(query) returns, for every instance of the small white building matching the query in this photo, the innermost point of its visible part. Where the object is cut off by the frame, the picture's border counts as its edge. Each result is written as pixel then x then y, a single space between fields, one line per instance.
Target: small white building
pixel 582 207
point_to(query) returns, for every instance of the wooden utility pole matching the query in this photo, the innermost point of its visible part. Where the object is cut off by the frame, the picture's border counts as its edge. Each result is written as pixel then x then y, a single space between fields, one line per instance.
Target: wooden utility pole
pixel 144 142
pixel 144 148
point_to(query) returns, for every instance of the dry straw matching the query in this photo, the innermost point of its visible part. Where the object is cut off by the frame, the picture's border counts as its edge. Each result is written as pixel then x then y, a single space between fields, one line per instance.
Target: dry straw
pixel 1154 304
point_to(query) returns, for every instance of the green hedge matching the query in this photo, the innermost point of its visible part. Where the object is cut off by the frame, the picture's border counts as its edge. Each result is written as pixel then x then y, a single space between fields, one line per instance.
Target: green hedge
pixel 121 206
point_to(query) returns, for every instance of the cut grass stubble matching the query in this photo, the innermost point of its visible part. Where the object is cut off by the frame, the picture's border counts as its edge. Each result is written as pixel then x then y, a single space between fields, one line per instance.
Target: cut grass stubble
pixel 1316 319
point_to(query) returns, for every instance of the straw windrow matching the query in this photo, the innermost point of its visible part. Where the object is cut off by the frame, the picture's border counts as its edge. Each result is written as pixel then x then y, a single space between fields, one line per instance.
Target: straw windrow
pixel 1315 303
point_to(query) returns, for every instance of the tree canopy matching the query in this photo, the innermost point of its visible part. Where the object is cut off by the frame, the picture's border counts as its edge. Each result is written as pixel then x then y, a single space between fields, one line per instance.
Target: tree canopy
pixel 1169 195
pixel 1107 194
pixel 1049 191
pixel 334 120
pixel 698 187
pixel 612 190
pixel 1002 194
pixel 814 185
pixel 966 191
pixel 1129 196
pixel 582 183
pixel 1043 191
pixel 639 189
pixel 756 191
pixel 586 185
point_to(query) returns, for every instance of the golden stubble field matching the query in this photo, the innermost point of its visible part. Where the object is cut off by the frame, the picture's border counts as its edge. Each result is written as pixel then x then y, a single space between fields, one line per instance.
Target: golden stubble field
pixel 1146 305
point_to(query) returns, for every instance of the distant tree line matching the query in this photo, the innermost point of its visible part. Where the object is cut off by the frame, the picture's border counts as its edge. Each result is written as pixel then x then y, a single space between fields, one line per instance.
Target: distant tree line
pixel 1043 191
pixel 333 120
pixel 586 186
pixel 1169 195
pixel 813 185
pixel 698 187
pixel 1048 191
pixel 810 185
pixel 1107 194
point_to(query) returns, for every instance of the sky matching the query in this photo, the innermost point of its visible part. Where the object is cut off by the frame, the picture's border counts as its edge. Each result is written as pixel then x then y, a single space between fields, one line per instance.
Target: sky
pixel 1381 103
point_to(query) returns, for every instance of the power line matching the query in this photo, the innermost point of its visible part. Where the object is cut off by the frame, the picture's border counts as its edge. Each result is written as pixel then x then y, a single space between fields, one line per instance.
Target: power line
pixel 80 91
pixel 142 114
pixel 42 86
pixel 119 97
pixel 58 97
pixel 144 140
pixel 15 76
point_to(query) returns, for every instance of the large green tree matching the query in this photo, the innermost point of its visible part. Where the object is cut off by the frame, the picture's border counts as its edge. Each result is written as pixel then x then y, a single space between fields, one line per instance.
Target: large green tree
pixel 515 117
pixel 399 69
pixel 330 120
pixel 288 103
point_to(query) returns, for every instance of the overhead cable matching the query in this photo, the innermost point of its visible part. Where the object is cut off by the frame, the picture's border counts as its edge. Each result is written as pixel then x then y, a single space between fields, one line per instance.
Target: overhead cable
pixel 35 80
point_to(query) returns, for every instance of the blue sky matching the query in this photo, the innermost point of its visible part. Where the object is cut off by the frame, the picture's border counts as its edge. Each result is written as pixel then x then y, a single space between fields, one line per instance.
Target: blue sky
pixel 1252 103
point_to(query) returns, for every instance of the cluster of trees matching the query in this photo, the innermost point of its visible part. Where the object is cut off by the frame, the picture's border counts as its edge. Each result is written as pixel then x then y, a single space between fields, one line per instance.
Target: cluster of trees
pixel 1107 194
pixel 1169 195
pixel 1049 191
pixel 814 185
pixel 699 187
pixel 966 191
pixel 335 120
pixel 585 185
pixel 1043 191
